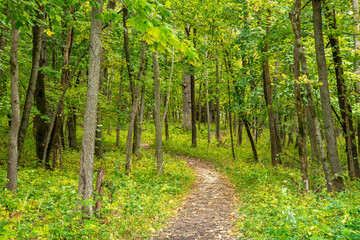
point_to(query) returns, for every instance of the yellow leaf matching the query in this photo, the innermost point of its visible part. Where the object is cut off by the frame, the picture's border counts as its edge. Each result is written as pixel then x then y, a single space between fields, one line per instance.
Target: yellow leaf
pixel 320 83
pixel 48 32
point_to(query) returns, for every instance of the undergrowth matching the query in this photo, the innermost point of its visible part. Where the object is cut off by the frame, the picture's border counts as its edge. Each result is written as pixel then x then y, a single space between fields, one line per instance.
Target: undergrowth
pixel 47 205
pixel 271 200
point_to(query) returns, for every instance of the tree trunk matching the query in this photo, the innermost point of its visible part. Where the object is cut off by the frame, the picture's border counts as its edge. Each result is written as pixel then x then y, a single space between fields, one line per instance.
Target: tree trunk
pixel 167 97
pixel 4 31
pixel 217 118
pixel 295 18
pixel 86 174
pixel 99 189
pixel 134 110
pixel 357 61
pixel 119 107
pixel 157 115
pixel 345 108
pixel 40 124
pixel 199 115
pixel 15 111
pixel 99 150
pixel 193 103
pixel 141 120
pixel 186 120
pixel 208 117
pixel 275 145
pixel 38 31
pixel 325 97
pixel 240 132
pixel 251 139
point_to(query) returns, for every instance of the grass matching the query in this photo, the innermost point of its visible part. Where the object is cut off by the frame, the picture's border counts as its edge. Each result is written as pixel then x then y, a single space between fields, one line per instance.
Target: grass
pixel 134 207
pixel 271 200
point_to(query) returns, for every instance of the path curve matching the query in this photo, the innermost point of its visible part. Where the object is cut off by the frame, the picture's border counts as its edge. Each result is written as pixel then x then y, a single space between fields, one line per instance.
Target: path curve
pixel 208 212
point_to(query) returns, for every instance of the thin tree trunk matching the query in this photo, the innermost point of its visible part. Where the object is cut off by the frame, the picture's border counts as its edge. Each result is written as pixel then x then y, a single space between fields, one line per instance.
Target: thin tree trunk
pixel 141 120
pixel 186 119
pixel 167 98
pixel 4 31
pixel 240 132
pixel 345 109
pixel 157 115
pixel 251 139
pixel 230 123
pixel 38 31
pixel 208 117
pixel 86 174
pixel 15 110
pixel 295 18
pixel 199 99
pixel 99 189
pixel 134 110
pixel 119 107
pixel 325 97
pixel 217 118
pixel 311 110
pixel 275 146
pixel 40 124
pixel 357 61
pixel 193 103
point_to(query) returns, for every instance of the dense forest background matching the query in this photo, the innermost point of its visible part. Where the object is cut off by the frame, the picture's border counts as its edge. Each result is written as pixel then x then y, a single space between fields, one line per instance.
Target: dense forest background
pixel 94 96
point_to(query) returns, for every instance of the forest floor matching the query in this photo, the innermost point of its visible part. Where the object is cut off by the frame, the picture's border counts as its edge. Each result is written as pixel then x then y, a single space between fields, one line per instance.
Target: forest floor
pixel 208 212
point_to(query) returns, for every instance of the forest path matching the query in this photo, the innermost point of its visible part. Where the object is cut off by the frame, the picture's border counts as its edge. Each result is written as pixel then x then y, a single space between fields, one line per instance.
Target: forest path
pixel 208 212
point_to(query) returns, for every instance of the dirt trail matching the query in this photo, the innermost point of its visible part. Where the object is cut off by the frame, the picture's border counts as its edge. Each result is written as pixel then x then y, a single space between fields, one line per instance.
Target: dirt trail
pixel 209 211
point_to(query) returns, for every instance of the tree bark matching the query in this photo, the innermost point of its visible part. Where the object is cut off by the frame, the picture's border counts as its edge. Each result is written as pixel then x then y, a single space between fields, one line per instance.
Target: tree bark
pixel 240 132
pixel 186 119
pixel 134 110
pixel 99 189
pixel 325 97
pixel 40 124
pixel 208 117
pixel 251 139
pixel 119 107
pixel 345 108
pixel 15 111
pixel 86 174
pixel 217 105
pixel 4 31
pixel 38 31
pixel 157 115
pixel 357 61
pixel 275 145
pixel 295 18
pixel 193 103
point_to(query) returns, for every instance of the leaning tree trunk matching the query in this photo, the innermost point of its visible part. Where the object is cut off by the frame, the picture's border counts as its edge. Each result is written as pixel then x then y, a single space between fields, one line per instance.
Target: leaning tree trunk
pixel 38 31
pixel 86 174
pixel 15 110
pixel 331 143
pixel 251 139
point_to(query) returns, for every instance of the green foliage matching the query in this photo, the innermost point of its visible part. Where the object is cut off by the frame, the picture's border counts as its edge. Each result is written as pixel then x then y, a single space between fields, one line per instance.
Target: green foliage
pixel 271 203
pixel 47 204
